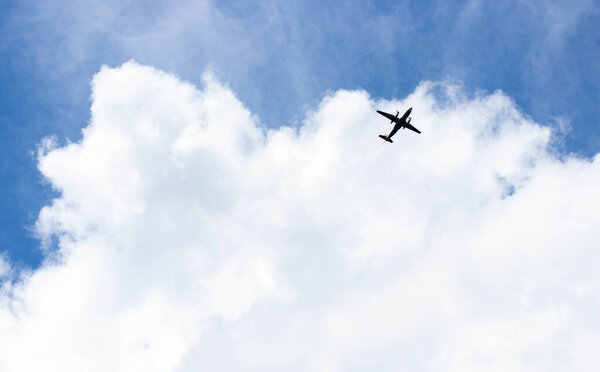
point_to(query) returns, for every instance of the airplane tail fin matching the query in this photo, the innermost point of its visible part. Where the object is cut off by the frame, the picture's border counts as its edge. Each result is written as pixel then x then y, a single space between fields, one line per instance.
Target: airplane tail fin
pixel 385 137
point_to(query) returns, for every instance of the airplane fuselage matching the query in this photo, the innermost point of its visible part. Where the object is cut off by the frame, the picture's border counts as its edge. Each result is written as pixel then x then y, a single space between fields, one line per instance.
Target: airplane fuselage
pixel 405 116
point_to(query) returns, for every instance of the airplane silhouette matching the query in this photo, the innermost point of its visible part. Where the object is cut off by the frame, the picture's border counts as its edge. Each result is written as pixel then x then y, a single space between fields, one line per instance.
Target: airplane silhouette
pixel 402 122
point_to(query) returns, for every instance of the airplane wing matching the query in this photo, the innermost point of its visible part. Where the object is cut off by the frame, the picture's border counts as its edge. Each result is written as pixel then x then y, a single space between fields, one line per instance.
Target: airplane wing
pixel 412 128
pixel 389 116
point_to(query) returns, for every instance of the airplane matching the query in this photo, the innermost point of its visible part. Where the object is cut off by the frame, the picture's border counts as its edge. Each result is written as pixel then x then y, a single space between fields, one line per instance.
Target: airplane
pixel 401 122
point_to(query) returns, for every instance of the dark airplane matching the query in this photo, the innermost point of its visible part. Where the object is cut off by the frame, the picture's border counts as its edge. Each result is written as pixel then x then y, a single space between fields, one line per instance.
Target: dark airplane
pixel 401 122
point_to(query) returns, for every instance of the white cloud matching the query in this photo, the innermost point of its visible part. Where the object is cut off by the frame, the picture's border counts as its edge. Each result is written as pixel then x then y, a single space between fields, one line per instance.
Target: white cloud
pixel 190 238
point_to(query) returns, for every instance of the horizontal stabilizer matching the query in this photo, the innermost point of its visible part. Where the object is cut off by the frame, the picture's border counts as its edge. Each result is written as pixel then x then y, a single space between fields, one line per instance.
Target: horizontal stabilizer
pixel 385 138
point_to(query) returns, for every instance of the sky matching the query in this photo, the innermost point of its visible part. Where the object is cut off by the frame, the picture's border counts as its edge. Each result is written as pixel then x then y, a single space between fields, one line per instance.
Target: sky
pixel 199 185
pixel 281 58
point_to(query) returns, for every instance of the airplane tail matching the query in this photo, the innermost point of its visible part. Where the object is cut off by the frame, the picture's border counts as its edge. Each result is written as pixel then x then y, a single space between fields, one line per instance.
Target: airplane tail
pixel 385 137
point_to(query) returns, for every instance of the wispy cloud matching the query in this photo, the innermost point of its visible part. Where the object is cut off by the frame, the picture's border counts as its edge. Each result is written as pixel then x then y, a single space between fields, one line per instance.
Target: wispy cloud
pixel 294 51
pixel 5 269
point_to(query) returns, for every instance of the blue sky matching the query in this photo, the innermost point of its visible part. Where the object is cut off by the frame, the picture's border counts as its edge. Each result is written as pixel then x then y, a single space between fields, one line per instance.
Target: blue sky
pixel 280 58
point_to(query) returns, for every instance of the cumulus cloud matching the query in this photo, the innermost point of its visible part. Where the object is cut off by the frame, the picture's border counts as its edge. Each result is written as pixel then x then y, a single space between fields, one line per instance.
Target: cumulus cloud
pixel 191 238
